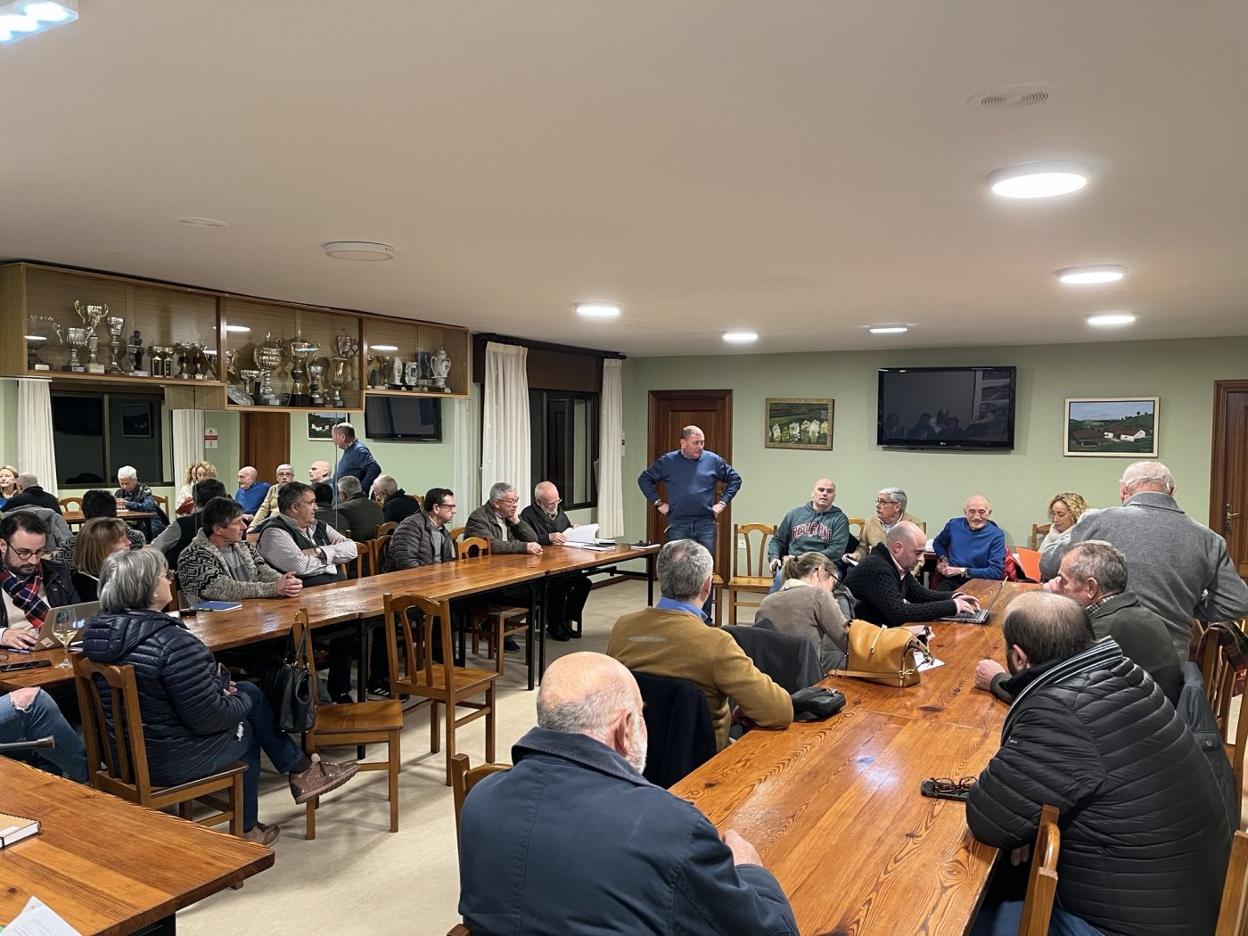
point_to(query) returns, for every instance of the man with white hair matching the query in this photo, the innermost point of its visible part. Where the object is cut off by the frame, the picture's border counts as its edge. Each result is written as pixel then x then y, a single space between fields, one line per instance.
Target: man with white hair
pixel 574 839
pixel 132 494
pixel 358 516
pixel 251 491
pixel 1180 569
pixel 283 474
pixel 395 503
pixel 890 510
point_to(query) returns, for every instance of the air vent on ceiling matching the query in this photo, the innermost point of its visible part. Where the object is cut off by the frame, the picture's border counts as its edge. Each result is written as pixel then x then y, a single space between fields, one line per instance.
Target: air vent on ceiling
pixel 1010 98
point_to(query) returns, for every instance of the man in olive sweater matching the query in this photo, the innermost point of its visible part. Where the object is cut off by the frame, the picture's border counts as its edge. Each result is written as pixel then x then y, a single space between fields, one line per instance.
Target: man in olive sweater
pixel 672 639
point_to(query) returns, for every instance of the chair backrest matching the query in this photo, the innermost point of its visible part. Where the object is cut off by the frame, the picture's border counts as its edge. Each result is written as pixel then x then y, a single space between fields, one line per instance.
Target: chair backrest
pixel 678 721
pixel 162 502
pixel 71 504
pixel 1232 917
pixel 457 532
pixel 175 603
pixel 790 660
pixel 464 777
pixel 856 526
pixel 1042 881
pixel 765 532
pixel 1038 531
pixel 1219 675
pixel 383 528
pixel 413 661
pixel 474 547
pixel 121 751
pixel 378 551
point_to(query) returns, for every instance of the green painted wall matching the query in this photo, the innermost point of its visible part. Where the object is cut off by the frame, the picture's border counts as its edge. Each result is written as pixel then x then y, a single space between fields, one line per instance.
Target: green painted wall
pixel 1019 483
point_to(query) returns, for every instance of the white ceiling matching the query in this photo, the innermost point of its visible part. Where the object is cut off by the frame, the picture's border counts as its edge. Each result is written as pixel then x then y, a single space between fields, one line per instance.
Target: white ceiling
pixel 803 168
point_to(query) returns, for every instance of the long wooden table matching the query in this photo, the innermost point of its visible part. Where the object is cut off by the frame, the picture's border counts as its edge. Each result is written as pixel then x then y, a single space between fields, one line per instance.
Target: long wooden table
pixel 107 866
pixel 834 807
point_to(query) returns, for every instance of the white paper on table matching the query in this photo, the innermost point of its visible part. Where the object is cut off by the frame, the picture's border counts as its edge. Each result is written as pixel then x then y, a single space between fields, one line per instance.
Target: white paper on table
pixel 38 919
pixel 582 534
pixel 923 664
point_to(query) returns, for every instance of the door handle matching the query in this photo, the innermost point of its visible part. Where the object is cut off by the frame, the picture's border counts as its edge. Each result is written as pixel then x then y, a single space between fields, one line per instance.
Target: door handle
pixel 1228 517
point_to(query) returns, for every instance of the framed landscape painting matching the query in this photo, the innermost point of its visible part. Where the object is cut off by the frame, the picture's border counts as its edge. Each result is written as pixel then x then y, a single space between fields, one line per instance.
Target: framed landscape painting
pixel 1112 427
pixel 798 424
pixel 321 425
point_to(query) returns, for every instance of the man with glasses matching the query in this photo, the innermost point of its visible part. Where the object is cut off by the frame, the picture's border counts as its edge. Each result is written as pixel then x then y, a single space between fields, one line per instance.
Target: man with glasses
pixel 424 537
pixel 567 592
pixel 30 586
pixel 970 546
pixel 890 510
pixel 497 521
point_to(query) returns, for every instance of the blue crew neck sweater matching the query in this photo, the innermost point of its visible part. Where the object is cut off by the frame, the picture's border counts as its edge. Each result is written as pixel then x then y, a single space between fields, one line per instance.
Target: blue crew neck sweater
pixel 981 552
pixel 690 484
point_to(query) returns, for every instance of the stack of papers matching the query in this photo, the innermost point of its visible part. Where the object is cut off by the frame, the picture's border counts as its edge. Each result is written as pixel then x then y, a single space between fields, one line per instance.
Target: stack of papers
pixel 585 537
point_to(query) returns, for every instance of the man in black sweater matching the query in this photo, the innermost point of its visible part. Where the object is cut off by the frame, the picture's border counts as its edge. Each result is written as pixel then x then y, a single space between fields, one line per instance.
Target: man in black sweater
pixel 30 494
pixel 567 592
pixel 887 593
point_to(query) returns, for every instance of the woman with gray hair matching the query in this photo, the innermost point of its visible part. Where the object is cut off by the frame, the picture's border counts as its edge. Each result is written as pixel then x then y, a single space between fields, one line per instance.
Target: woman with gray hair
pixel 196 721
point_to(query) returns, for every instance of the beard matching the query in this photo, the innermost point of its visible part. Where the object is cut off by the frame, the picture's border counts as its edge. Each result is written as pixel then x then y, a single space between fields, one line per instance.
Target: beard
pixel 638 741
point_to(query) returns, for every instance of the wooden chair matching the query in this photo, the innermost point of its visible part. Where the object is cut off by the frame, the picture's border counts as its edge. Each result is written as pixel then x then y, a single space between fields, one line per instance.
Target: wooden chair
pixel 459 930
pixel 856 526
pixel 414 672
pixel 496 622
pixel 356 723
pixel 124 756
pixel 378 551
pixel 383 529
pixel 1233 915
pixel 71 504
pixel 1219 676
pixel 1038 532
pixel 749 582
pixel 457 532
pixel 464 777
pixel 1042 880
pixel 162 502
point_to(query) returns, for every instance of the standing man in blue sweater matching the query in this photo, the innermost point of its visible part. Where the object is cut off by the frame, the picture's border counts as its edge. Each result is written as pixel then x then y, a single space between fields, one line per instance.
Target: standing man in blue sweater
pixel 970 546
pixel 691 474
pixel 356 459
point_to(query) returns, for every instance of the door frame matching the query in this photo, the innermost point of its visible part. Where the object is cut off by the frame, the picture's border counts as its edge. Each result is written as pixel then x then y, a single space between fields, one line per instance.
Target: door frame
pixel 1217 462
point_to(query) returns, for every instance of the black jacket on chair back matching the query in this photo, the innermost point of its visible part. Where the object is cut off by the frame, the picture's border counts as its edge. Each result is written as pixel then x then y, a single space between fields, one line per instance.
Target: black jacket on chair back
pixel 1145 837
pixel 678 722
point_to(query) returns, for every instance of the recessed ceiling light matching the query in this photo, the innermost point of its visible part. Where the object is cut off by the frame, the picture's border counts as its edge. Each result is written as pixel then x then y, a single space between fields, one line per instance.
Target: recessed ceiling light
pixel 359 251
pixel 238 329
pixel 1039 179
pixel 597 310
pixel 22 18
pixel 192 221
pixel 1111 319
pixel 1092 275
pixel 741 336
pixel 383 347
pixel 888 329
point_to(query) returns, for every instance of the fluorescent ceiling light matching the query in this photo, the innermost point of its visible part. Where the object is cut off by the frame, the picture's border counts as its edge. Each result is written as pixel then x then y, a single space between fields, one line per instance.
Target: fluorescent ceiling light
pixel 888 329
pixel 192 221
pixel 1039 179
pixel 238 329
pixel 1092 275
pixel 1111 319
pixel 741 336
pixel 359 251
pixel 597 310
pixel 22 18
pixel 383 347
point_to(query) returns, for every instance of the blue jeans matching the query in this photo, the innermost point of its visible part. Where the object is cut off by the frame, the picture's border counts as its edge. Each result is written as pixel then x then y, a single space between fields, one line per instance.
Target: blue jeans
pixel 1003 920
pixel 700 531
pixel 41 719
pixel 261 734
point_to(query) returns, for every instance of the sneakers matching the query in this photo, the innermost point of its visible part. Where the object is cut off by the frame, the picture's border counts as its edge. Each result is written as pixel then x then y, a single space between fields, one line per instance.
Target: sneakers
pixel 320 778
pixel 262 834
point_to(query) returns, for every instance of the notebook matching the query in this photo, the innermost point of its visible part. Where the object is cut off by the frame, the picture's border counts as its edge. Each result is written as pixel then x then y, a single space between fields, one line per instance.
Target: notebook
pixel 15 828
pixel 78 613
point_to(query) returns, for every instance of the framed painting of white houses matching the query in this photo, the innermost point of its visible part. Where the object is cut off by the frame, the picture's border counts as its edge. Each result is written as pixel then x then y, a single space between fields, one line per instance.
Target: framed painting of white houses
pixel 1112 427
pixel 801 423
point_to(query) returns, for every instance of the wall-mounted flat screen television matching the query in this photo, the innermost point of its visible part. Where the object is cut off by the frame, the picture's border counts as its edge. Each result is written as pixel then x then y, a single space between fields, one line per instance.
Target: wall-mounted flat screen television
pixel 946 407
pixel 405 419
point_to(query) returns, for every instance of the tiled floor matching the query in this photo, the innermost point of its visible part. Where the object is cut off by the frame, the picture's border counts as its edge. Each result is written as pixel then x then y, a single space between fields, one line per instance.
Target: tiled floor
pixel 358 878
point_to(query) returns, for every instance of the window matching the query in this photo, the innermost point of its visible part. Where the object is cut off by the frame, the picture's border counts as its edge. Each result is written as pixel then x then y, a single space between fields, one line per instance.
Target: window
pixel 94 434
pixel 565 444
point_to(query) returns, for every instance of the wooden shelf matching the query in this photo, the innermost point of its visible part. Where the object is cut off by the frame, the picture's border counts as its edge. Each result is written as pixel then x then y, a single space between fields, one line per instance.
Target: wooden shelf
pixel 428 394
pixel 136 382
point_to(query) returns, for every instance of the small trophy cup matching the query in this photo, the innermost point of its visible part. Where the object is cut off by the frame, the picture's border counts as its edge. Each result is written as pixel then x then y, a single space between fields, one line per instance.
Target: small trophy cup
pixel 155 361
pixel 199 361
pixel 301 350
pixel 91 316
pixel 183 352
pixel 246 393
pixel 440 369
pixel 116 326
pixel 76 338
pixel 135 347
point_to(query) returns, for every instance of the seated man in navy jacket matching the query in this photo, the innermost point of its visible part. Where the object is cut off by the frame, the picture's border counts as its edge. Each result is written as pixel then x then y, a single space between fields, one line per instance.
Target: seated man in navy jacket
pixel 574 839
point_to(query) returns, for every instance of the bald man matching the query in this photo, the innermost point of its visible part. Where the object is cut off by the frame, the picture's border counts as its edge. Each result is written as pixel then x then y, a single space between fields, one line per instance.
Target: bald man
pixel 816 526
pixel 574 839
pixel 886 589
pixel 318 471
pixel 970 546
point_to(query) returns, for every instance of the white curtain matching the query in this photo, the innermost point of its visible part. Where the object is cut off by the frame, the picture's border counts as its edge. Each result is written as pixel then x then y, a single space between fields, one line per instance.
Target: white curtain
pixel 466 439
pixel 35 453
pixel 188 442
pixel 611 451
pixel 505 438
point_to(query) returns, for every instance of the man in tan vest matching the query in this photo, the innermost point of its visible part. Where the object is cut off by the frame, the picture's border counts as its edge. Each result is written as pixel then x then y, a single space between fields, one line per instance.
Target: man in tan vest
pixel 672 639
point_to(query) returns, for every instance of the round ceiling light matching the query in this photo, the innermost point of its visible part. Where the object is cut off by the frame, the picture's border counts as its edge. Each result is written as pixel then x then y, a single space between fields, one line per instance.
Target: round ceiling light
pixel 383 347
pixel 193 221
pixel 1039 179
pixel 888 329
pixel 1111 319
pixel 597 310
pixel 1092 275
pixel 741 336
pixel 359 251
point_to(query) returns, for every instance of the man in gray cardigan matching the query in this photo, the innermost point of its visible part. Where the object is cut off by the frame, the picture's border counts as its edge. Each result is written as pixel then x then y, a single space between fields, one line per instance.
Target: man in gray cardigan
pixel 1179 568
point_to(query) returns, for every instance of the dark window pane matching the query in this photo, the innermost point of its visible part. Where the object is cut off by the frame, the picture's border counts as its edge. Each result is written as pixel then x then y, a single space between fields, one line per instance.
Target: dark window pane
pixel 78 439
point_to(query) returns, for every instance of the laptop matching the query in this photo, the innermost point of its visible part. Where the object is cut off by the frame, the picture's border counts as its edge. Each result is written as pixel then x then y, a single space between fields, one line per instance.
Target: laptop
pixel 969 617
pixel 78 613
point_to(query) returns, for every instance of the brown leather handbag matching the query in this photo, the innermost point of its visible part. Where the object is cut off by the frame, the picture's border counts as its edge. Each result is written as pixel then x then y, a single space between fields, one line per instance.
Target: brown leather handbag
pixel 883 654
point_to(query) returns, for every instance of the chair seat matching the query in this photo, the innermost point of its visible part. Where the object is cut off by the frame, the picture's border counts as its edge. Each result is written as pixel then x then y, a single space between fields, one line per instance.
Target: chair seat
pixel 218 780
pixel 379 715
pixel 750 582
pixel 465 679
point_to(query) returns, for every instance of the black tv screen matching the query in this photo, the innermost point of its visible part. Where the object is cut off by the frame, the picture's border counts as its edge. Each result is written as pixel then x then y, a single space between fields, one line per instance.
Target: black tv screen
pixel 946 407
pixel 407 419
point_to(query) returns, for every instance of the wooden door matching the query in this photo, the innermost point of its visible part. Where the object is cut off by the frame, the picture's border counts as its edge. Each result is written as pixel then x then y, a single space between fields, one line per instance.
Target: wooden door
pixel 1228 489
pixel 264 443
pixel 711 411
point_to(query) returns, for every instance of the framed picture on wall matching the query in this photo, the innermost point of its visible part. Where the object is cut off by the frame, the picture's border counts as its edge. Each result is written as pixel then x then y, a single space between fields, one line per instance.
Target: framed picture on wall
pixel 1111 427
pixel 798 423
pixel 136 420
pixel 321 425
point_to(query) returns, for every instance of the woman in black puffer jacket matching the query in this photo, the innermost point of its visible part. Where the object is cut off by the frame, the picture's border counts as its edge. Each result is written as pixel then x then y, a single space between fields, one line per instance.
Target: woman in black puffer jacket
pixel 195 720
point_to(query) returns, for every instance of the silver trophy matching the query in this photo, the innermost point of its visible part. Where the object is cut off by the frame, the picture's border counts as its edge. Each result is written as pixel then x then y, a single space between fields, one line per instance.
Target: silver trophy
pixel 134 347
pixel 204 369
pixel 40 329
pixel 156 361
pixel 116 326
pixel 301 351
pixel 186 357
pixel 440 369
pixel 75 338
pixel 316 375
pixel 337 379
pixel 269 357
pixel 91 316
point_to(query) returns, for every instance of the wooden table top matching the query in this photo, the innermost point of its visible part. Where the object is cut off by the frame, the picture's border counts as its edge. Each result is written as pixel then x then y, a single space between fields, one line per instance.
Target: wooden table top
pixel 108 866
pixel 834 807
pixel 75 516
